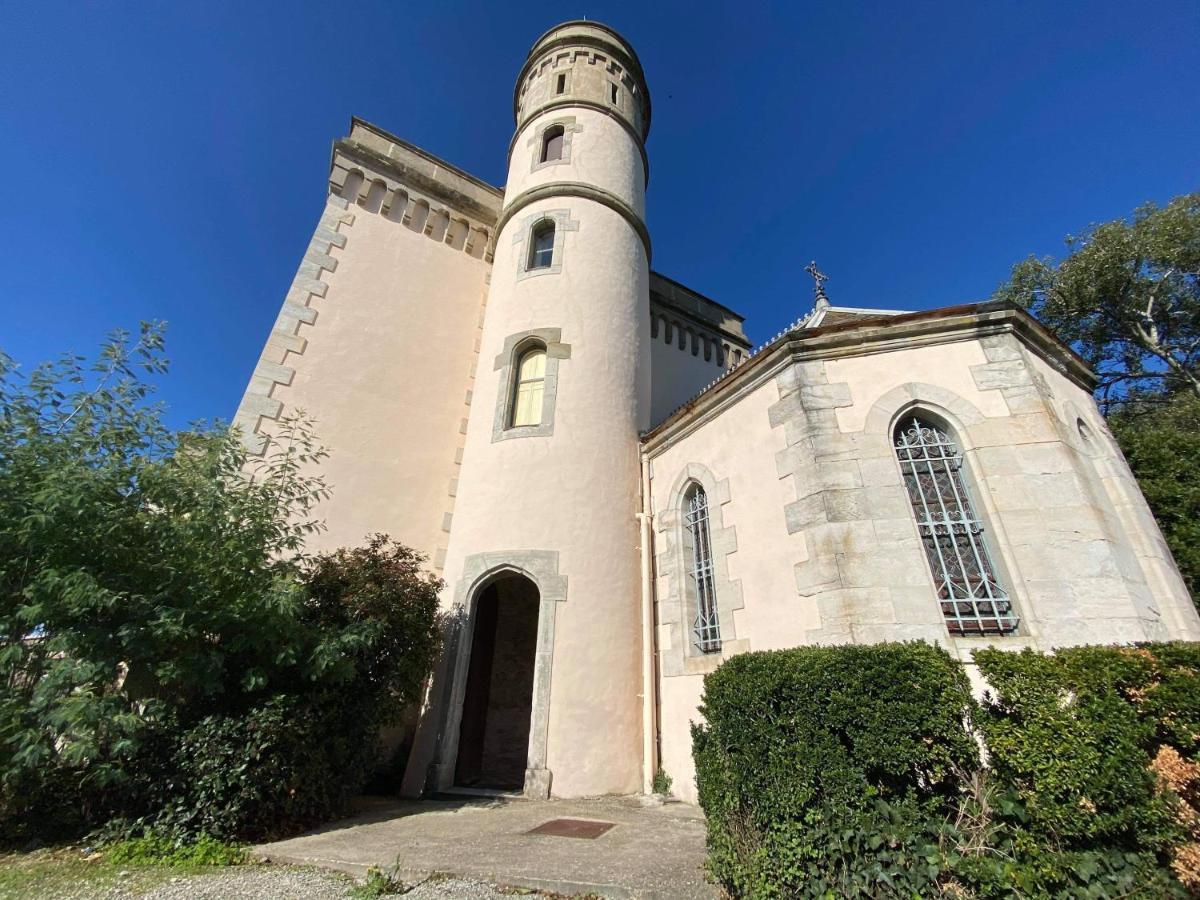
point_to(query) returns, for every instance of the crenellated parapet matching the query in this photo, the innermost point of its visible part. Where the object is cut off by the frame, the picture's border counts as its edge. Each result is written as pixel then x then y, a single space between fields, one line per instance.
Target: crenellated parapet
pixel 584 65
pixel 695 325
pixel 384 175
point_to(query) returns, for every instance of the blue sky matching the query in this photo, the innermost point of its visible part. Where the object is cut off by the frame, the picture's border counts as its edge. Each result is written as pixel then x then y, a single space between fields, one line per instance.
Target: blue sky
pixel 168 160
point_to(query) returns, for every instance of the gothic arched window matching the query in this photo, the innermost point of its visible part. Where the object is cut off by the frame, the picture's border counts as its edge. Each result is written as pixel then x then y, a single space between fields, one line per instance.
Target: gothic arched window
pixel 701 586
pixel 972 601
pixel 529 388
pixel 552 143
pixel 541 246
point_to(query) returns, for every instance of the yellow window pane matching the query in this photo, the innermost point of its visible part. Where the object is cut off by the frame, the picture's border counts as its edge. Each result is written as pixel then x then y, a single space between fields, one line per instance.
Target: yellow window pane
pixel 533 365
pixel 528 408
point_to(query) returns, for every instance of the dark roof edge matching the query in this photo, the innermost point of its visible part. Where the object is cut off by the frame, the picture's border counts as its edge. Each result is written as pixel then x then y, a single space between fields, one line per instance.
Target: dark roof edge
pixel 989 316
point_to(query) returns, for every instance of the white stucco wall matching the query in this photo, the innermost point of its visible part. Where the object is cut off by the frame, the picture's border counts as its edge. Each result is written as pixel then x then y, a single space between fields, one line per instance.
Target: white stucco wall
pixel 740 447
pixel 384 370
pixel 565 493
pixel 676 375
pixel 601 153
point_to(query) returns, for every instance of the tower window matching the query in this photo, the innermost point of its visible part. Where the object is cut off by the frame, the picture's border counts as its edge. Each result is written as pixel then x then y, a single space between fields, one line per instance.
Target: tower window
pixel 560 86
pixel 612 93
pixel 552 143
pixel 971 599
pixel 707 627
pixel 541 247
pixel 530 388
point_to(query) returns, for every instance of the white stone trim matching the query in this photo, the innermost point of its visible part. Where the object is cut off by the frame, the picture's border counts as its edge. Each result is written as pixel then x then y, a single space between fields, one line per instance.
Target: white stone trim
pixel 679 655
pixel 259 401
pixel 562 224
pixel 506 363
pixel 570 128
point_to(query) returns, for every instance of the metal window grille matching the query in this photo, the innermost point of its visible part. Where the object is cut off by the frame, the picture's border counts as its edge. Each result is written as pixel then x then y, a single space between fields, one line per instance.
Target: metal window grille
pixel 541 254
pixel 706 628
pixel 973 603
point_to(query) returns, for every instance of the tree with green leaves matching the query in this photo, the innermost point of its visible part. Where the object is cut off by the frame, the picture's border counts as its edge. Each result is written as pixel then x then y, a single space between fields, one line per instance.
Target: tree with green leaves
pixel 1162 445
pixel 151 580
pixel 1127 299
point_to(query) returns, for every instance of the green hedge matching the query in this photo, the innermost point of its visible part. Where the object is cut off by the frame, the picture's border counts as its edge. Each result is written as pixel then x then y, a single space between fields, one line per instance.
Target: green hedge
pixel 853 772
pixel 819 768
pixel 1100 746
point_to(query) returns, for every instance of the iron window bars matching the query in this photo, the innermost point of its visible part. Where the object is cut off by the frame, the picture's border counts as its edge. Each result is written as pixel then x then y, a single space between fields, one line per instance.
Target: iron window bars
pixel 707 627
pixel 972 601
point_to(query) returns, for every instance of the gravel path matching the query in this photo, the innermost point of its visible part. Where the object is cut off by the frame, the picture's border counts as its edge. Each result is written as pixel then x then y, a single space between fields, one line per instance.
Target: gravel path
pixel 259 882
pixel 290 883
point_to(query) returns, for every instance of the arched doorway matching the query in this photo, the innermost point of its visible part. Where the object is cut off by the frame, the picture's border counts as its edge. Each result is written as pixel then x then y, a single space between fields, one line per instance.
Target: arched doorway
pixel 493 741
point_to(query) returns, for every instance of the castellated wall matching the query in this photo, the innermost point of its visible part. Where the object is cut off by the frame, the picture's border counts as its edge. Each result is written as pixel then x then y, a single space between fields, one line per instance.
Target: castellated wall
pixel 377 339
pixel 813 538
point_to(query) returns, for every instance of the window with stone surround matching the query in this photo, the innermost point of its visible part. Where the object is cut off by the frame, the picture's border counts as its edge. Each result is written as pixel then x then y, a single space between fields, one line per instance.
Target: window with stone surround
pixel 932 464
pixel 552 143
pixel 529 388
pixel 541 246
pixel 702 592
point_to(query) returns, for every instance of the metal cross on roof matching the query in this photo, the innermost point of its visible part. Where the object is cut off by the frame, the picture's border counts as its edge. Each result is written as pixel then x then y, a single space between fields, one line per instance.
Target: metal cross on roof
pixel 819 279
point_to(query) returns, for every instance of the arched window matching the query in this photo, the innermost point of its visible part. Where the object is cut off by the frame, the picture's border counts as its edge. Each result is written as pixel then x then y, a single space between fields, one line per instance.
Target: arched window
pixel 552 143
pixel 529 388
pixel 541 247
pixel 973 602
pixel 701 587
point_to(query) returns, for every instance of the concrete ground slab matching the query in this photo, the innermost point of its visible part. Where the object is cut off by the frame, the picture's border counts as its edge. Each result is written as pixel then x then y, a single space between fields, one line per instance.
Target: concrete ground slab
pixel 652 851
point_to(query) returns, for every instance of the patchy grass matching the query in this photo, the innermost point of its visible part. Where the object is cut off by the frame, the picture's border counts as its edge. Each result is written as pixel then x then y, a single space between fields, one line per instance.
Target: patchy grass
pixel 67 873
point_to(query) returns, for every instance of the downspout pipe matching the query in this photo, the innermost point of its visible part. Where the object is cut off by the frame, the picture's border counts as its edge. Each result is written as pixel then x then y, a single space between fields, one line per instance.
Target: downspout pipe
pixel 649 717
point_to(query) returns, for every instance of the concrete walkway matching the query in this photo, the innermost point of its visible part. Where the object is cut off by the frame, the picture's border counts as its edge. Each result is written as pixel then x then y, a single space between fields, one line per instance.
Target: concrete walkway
pixel 650 851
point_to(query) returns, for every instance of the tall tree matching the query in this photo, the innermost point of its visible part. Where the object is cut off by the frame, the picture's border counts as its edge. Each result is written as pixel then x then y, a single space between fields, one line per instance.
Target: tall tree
pixel 1127 298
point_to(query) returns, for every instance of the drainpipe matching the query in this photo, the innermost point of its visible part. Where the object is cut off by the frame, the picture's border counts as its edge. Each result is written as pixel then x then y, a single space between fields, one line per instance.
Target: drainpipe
pixel 649 719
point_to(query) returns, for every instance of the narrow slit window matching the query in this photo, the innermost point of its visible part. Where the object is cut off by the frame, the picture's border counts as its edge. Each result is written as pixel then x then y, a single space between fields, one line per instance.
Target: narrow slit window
pixel 552 144
pixel 706 628
pixel 560 86
pixel 541 247
pixel 972 601
pixel 530 388
pixel 612 93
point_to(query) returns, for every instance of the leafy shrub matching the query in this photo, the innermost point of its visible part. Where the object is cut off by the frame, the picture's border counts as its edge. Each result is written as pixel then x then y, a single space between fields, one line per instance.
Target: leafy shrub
pixel 157 849
pixel 296 759
pixel 830 769
pixel 163 638
pixel 852 772
pixel 1101 746
pixel 661 783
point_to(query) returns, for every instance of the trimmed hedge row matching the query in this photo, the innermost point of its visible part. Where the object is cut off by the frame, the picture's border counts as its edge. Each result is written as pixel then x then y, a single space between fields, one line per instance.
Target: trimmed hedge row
pixel 854 772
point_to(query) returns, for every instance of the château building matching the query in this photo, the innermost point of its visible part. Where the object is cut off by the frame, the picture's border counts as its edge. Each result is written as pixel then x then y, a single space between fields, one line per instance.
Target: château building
pixel 620 493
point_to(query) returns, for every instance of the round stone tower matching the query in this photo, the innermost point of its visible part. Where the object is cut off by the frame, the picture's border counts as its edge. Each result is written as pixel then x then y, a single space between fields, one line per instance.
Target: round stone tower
pixel 542 566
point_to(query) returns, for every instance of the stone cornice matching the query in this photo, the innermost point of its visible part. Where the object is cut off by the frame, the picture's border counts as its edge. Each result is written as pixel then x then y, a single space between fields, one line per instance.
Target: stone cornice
pixel 878 335
pixel 576 189
pixel 440 188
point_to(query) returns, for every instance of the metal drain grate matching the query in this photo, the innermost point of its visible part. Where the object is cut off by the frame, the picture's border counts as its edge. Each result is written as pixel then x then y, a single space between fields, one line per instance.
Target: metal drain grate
pixel 574 828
